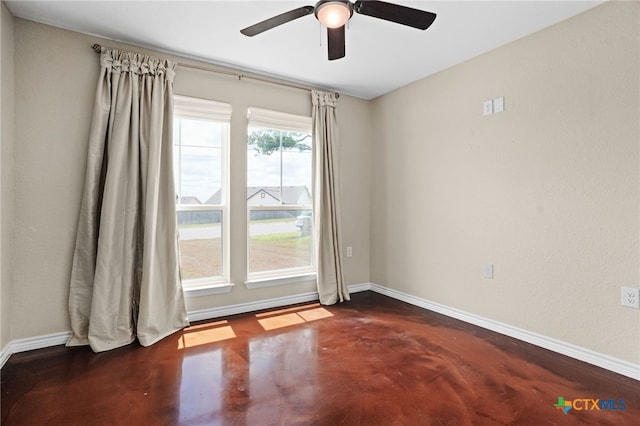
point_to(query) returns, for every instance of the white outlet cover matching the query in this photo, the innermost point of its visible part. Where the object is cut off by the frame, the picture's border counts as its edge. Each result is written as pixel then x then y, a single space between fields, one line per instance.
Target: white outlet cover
pixel 487 270
pixel 487 107
pixel 630 297
pixel 498 104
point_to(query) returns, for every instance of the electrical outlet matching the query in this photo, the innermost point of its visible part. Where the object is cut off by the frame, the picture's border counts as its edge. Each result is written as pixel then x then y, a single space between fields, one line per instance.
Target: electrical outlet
pixel 349 251
pixel 487 270
pixel 631 297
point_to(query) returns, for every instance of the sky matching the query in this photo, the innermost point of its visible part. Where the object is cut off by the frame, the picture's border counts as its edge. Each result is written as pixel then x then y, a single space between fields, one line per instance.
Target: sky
pixel 198 162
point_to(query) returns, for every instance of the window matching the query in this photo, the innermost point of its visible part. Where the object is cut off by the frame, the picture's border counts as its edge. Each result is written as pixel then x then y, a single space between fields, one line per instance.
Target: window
pixel 200 160
pixel 279 196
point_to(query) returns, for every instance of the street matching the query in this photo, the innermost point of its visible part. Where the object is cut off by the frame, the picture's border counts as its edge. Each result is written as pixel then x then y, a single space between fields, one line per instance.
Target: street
pixel 260 228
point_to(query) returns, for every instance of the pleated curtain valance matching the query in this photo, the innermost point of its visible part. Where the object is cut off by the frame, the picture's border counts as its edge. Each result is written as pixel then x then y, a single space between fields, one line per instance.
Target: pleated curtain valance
pixel 116 61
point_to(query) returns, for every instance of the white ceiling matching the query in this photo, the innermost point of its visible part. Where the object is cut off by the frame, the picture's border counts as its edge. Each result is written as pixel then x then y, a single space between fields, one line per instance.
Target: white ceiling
pixel 381 56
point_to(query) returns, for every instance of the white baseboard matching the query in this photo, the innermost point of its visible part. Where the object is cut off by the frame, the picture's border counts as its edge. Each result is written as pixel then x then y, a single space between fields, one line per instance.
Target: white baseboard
pixel 242 308
pixel 607 362
pixel 31 343
pixel 356 288
pixel 615 365
pixel 5 354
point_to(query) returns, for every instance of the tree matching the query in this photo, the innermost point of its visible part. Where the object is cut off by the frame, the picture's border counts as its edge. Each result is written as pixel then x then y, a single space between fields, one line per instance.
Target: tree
pixel 265 141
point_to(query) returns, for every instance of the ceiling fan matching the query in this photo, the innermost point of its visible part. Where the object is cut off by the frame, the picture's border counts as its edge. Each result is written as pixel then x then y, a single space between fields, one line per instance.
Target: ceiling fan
pixel 334 14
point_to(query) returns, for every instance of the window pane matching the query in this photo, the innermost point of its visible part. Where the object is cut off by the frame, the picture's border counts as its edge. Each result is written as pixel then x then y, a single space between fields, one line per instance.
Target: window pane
pixel 296 173
pixel 280 240
pixel 277 158
pixel 200 243
pixel 201 178
pixel 201 133
pixel 279 173
pixel 198 161
pixel 263 169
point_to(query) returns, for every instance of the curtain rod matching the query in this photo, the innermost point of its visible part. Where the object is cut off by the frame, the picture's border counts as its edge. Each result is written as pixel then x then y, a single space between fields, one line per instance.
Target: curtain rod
pixel 98 48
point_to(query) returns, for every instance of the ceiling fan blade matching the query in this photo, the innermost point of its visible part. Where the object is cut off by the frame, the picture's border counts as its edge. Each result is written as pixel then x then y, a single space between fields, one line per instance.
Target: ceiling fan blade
pixel 396 13
pixel 273 22
pixel 335 42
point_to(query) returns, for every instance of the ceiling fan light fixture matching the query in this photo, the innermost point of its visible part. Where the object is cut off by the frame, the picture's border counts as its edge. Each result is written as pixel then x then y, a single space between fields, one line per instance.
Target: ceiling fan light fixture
pixel 333 14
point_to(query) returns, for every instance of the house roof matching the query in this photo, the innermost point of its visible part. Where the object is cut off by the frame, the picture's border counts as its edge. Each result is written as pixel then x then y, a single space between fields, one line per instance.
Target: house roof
pixel 189 199
pixel 290 194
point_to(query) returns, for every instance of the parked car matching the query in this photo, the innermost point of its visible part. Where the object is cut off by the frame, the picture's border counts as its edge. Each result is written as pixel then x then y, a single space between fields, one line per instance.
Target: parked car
pixel 303 222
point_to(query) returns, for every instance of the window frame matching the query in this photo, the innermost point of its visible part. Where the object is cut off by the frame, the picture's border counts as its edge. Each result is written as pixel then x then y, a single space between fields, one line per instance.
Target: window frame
pixel 194 108
pixel 269 119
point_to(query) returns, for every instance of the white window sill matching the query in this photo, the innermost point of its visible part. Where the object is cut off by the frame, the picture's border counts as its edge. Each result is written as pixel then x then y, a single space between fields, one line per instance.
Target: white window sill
pixel 280 280
pixel 206 289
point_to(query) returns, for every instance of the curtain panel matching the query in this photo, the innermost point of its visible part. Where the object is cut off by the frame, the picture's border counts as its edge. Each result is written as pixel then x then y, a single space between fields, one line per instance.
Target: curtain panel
pixel 331 285
pixel 125 279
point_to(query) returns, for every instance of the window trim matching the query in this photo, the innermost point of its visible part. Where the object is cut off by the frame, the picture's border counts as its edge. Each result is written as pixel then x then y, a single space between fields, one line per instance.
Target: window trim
pixel 206 288
pixel 296 278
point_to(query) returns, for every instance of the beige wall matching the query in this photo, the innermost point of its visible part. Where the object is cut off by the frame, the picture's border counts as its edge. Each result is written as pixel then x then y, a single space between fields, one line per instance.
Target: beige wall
pixel 354 118
pixel 56 74
pixel 6 166
pixel 547 191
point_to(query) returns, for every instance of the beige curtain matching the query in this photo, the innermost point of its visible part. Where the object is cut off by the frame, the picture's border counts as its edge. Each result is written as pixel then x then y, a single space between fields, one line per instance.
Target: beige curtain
pixel 331 285
pixel 125 280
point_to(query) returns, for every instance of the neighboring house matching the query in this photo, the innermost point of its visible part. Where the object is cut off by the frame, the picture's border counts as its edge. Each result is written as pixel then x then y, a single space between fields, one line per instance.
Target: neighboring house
pixel 263 196
pixel 215 198
pixel 275 196
pixel 189 200
pixel 256 196
pixel 271 196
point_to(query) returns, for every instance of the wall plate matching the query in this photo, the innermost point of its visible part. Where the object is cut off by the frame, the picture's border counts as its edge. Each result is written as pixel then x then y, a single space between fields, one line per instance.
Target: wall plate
pixel 487 107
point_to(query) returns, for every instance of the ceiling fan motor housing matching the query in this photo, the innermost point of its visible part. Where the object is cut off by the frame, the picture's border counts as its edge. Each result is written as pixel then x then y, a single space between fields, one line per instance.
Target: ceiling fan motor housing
pixel 333 13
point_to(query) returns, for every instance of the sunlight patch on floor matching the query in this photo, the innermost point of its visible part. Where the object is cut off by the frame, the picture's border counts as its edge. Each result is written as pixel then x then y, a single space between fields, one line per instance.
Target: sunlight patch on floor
pixel 292 316
pixel 205 333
